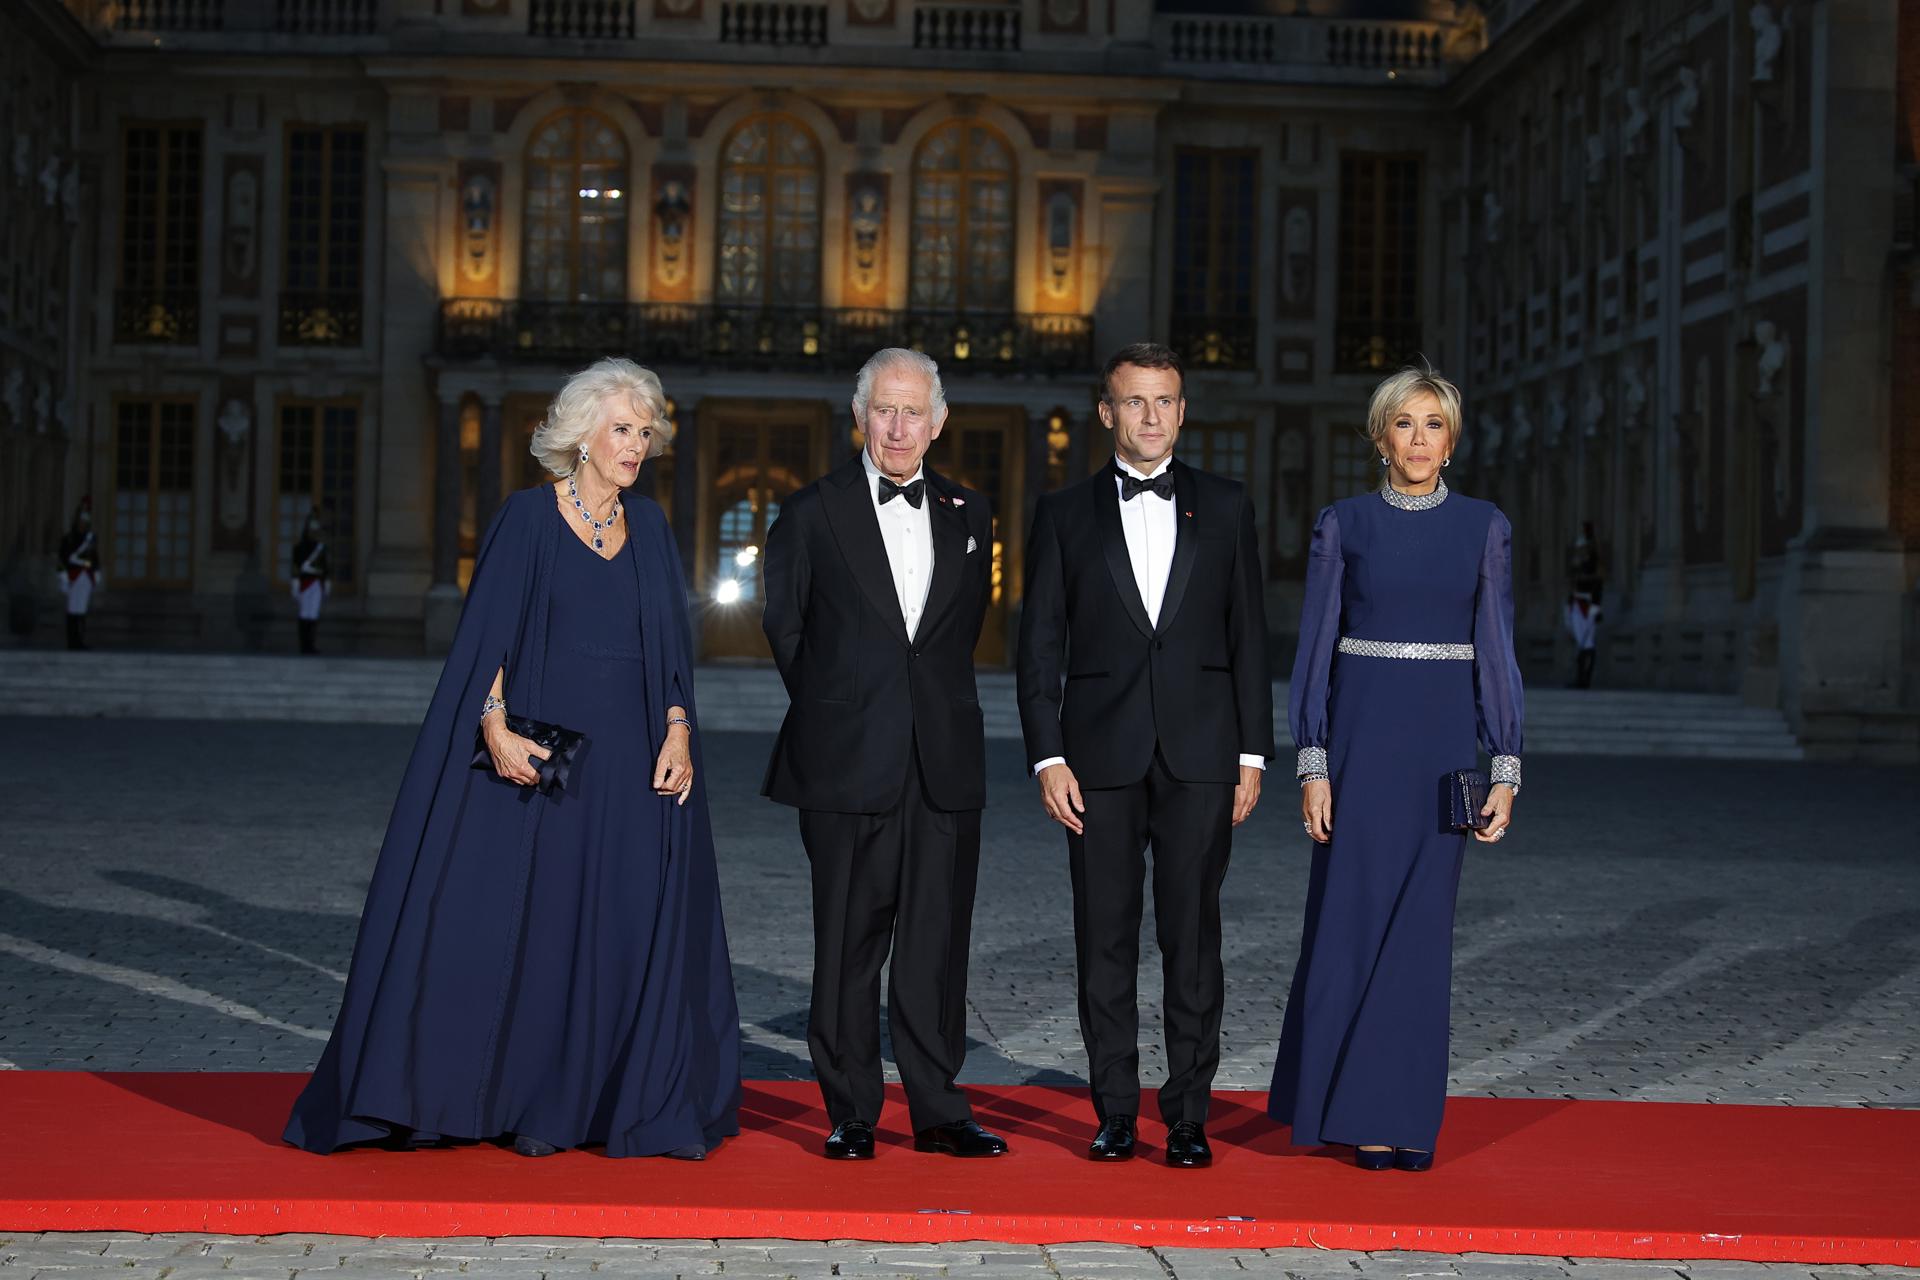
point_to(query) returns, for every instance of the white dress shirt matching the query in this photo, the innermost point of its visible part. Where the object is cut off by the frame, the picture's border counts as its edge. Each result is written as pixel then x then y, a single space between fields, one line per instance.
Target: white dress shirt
pixel 1151 529
pixel 907 532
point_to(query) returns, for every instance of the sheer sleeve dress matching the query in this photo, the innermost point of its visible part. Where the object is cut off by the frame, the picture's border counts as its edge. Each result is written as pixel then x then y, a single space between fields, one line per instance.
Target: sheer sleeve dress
pixel 1406 663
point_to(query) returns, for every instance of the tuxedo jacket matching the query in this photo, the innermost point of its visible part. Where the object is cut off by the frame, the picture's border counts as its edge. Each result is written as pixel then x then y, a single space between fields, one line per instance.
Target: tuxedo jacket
pixel 862 696
pixel 1099 683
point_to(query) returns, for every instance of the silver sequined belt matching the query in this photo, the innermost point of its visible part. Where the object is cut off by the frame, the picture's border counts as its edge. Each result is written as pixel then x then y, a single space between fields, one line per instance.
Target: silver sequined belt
pixel 1405 649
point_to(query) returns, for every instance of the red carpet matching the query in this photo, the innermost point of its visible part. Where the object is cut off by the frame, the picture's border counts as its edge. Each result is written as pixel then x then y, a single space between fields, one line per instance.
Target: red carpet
pixel 201 1152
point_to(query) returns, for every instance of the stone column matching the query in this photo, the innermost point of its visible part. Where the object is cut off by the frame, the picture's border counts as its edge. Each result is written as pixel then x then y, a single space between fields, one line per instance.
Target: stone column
pixel 1842 596
pixel 443 598
pixel 487 498
pixel 686 486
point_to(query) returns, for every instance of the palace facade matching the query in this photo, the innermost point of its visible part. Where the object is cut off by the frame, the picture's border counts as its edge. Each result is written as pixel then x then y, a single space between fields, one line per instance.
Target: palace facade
pixel 266 256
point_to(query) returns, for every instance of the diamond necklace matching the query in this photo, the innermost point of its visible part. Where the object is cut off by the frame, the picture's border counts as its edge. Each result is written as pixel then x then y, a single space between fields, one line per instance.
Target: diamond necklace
pixel 1413 501
pixel 573 492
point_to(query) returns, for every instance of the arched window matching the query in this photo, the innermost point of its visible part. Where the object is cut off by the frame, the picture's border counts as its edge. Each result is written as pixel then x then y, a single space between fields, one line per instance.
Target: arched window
pixel 769 215
pixel 963 220
pixel 577 198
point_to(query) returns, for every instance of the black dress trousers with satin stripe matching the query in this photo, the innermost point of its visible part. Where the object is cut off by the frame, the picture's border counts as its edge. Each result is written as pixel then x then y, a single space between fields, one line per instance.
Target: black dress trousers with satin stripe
pixel 903 878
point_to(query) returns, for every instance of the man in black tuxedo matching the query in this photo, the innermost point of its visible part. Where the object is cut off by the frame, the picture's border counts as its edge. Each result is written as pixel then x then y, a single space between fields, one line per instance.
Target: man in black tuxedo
pixel 877 581
pixel 1147 707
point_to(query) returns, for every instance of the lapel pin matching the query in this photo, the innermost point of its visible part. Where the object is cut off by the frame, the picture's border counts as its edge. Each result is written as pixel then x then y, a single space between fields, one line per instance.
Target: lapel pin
pixel 1189 515
pixel 972 546
pixel 958 502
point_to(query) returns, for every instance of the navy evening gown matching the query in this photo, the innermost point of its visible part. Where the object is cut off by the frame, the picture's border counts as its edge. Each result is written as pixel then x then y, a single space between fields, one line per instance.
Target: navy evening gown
pixel 1363 1047
pixel 547 965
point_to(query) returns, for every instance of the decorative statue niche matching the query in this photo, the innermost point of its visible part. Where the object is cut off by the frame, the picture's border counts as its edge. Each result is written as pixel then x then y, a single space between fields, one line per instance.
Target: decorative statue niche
pixel 479 215
pixel 867 236
pixel 672 223
pixel 1062 240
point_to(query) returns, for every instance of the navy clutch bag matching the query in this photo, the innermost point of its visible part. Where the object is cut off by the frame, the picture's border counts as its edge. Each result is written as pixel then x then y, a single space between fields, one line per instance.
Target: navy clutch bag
pixel 1466 791
pixel 565 745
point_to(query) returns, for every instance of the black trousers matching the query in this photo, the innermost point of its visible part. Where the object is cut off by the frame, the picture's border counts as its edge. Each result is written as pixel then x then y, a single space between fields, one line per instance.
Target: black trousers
pixel 903 878
pixel 1190 826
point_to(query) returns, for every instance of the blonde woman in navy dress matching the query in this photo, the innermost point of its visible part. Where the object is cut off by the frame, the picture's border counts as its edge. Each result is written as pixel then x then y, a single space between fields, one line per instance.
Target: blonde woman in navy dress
pixel 1406 649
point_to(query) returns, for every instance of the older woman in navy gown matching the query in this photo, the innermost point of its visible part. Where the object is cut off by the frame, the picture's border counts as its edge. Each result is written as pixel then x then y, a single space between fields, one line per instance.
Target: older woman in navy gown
pixel 548 963
pixel 1406 646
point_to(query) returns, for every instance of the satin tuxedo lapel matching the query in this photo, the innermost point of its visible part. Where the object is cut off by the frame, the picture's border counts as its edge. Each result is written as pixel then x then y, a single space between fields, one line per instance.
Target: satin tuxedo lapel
pixel 1113 540
pixel 1185 543
pixel 856 529
pixel 949 524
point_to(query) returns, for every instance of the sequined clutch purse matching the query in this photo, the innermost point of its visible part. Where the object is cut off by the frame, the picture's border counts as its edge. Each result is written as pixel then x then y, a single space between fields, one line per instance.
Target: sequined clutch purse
pixel 1466 792
pixel 565 748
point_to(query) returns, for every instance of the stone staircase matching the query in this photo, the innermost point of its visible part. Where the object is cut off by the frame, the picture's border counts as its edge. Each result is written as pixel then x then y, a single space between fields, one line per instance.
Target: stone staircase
pixel 395 691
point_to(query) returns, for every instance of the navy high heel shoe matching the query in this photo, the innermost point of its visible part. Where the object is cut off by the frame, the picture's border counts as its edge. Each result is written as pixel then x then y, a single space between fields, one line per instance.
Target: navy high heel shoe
pixel 1373 1161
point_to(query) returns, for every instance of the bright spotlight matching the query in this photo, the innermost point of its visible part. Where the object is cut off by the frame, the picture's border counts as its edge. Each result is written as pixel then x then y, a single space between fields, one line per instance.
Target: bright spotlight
pixel 746 555
pixel 727 592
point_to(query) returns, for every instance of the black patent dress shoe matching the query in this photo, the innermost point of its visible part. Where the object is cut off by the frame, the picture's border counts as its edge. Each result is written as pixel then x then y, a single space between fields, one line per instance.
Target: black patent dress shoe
pixel 526 1146
pixel 1412 1161
pixel 1373 1161
pixel 1114 1141
pixel 965 1138
pixel 850 1140
pixel 1187 1146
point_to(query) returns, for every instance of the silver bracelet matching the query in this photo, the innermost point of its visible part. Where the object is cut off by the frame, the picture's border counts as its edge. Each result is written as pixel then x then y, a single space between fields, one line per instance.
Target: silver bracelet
pixel 674 720
pixel 491 705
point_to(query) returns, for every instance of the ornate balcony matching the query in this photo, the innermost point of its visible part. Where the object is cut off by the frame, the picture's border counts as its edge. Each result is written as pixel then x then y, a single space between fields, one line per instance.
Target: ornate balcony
pixel 170 317
pixel 1215 342
pixel 320 319
pixel 783 338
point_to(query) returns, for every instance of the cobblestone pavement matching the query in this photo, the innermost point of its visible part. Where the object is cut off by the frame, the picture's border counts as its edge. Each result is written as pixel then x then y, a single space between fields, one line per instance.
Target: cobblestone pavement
pixel 76 1255
pixel 183 896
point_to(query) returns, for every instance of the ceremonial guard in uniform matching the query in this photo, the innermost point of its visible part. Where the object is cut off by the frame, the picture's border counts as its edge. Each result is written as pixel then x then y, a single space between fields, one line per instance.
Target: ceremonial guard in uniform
pixel 79 572
pixel 312 580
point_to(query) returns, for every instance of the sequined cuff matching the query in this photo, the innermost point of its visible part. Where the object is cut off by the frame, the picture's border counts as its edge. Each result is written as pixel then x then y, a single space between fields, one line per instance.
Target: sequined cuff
pixel 1311 763
pixel 1507 769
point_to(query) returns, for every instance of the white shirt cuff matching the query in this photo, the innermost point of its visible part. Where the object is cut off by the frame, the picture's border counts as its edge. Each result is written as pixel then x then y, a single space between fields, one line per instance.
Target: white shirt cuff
pixel 1254 762
pixel 1047 763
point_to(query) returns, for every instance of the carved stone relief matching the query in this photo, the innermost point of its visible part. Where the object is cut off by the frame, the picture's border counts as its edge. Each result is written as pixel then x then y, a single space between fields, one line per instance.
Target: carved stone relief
pixel 672 230
pixel 240 230
pixel 479 220
pixel 866 247
pixel 1299 264
pixel 233 473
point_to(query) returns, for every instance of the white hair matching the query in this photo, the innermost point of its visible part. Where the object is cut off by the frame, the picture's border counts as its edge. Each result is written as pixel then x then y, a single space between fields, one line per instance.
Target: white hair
pixel 574 414
pixel 899 357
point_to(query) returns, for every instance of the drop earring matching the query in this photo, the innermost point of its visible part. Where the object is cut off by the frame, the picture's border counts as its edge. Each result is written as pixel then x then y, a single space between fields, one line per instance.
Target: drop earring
pixel 1446 462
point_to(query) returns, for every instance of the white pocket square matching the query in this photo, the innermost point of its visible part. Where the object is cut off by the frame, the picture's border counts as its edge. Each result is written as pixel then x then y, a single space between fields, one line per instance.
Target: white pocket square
pixel 972 546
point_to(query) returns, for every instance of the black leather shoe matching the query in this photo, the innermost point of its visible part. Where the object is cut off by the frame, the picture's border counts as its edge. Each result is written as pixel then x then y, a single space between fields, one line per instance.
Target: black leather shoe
pixel 963 1139
pixel 1114 1141
pixel 1373 1161
pixel 1412 1161
pixel 851 1140
pixel 1187 1146
pixel 526 1146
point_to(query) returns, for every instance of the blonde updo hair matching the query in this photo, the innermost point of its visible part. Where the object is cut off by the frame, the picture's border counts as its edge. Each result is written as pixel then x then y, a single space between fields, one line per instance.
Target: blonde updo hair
pixel 574 414
pixel 1393 393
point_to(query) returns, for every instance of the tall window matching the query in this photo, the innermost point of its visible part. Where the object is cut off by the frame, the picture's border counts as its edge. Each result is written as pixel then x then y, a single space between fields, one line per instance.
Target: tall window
pixel 152 534
pixel 325 236
pixel 1379 311
pixel 1215 212
pixel 769 215
pixel 1225 449
pixel 577 198
pixel 963 220
pixel 1355 462
pixel 159 295
pixel 318 470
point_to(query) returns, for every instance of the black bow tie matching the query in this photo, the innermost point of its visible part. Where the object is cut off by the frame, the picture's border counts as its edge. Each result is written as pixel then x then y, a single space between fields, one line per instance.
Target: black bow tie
pixel 912 491
pixel 1131 487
